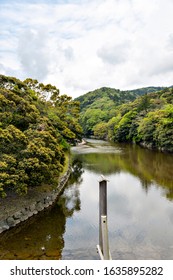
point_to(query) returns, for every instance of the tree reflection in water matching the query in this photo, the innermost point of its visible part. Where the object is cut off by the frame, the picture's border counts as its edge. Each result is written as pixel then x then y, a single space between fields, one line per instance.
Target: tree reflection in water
pixel 149 166
pixel 140 225
pixel 41 237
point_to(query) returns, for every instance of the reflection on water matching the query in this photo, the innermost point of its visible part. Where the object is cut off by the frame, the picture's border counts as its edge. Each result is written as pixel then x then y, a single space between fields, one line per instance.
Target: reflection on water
pixel 38 239
pixel 140 209
pixel 41 237
pixel 148 166
pixel 140 216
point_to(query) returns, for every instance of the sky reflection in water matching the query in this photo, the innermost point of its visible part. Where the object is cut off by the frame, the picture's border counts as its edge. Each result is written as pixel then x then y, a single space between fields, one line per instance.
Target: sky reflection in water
pixel 140 209
pixel 140 217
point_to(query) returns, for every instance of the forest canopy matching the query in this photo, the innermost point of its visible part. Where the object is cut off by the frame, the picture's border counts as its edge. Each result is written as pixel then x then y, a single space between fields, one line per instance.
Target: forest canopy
pixel 143 116
pixel 37 126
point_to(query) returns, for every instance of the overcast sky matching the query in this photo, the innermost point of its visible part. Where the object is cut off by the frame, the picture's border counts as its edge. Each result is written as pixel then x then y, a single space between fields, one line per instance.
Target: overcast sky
pixel 83 45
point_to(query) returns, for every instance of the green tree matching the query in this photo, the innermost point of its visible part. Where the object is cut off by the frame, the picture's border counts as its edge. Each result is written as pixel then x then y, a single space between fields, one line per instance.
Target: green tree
pixel 37 126
pixel 122 131
pixel 144 103
pixel 101 131
pixel 163 133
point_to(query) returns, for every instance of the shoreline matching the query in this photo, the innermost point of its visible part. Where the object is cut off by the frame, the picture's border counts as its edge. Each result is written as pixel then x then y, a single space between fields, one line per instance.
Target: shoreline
pixel 25 207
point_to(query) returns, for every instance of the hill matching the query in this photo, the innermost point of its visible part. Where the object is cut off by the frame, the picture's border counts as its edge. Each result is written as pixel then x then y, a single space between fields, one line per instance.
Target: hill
pixel 142 116
pixel 101 104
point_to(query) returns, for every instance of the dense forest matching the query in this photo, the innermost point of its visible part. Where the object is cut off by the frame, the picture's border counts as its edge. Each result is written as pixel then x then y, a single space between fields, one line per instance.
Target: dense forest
pixel 143 116
pixel 37 126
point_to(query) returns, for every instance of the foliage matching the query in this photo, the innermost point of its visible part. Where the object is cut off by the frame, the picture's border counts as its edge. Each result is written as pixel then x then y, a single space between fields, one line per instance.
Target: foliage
pixel 37 125
pixel 143 116
pixel 149 121
pixel 100 130
pixel 102 104
pixel 123 130
pixel 156 129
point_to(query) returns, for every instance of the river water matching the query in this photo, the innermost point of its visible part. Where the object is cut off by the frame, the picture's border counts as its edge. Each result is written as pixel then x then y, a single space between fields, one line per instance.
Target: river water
pixel 140 208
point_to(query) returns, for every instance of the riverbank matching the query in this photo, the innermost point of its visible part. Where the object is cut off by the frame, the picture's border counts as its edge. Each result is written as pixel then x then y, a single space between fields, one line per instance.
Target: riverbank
pixel 143 144
pixel 17 209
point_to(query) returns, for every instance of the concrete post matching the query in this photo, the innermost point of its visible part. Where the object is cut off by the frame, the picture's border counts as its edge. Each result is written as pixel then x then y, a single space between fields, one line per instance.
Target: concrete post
pixel 103 247
pixel 102 207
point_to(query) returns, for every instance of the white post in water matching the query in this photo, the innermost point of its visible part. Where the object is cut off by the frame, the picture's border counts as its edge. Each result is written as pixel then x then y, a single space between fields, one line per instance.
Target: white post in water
pixel 103 247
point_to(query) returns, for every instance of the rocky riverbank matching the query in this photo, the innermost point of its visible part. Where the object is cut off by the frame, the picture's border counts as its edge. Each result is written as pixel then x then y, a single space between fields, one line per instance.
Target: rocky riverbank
pixel 14 210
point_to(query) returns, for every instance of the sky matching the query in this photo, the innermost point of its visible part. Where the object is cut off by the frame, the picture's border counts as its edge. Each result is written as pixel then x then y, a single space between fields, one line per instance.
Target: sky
pixel 80 46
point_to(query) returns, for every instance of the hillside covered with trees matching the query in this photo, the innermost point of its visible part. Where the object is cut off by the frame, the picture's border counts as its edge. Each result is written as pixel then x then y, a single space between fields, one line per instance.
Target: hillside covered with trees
pixel 37 126
pixel 143 116
pixel 101 104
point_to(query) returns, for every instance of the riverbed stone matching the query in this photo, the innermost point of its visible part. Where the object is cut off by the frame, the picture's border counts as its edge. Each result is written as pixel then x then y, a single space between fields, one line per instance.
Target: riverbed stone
pixel 2 223
pixel 3 226
pixel 46 205
pixel 23 218
pixel 39 206
pixel 30 214
pixel 10 221
pixel 17 215
pixel 47 199
pixel 17 222
pixel 32 207
pixel 53 197
pixel 23 211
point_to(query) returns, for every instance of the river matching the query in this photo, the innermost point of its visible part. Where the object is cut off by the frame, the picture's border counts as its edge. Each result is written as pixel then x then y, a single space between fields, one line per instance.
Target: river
pixel 140 208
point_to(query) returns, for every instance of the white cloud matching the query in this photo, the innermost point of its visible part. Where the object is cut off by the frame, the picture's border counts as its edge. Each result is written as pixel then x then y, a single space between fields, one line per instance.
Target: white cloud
pixel 33 53
pixel 83 45
pixel 170 42
pixel 114 54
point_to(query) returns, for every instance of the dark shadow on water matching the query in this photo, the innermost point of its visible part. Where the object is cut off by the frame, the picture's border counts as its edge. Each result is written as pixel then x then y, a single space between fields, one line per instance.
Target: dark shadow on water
pixel 41 237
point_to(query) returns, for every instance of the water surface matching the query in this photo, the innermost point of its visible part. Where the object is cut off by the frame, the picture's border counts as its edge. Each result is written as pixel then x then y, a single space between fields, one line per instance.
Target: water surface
pixel 140 209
